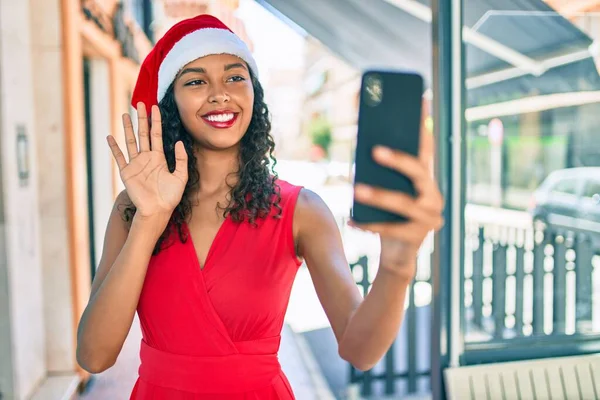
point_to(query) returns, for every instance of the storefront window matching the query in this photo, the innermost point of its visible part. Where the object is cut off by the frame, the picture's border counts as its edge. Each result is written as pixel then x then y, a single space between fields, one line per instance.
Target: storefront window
pixel 532 112
pixel 141 11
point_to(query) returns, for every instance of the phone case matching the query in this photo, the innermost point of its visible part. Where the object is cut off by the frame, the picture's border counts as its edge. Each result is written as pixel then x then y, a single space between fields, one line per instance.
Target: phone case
pixel 389 115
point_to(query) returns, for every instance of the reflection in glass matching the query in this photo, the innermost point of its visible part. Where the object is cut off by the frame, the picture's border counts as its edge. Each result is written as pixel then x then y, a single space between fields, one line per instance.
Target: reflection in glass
pixel 532 244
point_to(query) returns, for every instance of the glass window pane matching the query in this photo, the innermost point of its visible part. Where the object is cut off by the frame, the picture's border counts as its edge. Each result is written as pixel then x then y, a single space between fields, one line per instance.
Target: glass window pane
pixel 592 188
pixel 532 112
pixel 565 186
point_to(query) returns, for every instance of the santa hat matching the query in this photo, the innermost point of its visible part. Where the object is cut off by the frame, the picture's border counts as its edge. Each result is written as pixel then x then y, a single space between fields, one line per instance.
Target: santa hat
pixel 185 42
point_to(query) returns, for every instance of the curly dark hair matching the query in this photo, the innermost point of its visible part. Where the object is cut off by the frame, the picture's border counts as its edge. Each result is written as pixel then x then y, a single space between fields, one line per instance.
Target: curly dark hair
pixel 256 190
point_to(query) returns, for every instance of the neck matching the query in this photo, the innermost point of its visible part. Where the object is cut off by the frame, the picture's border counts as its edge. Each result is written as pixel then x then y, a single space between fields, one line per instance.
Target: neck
pixel 215 169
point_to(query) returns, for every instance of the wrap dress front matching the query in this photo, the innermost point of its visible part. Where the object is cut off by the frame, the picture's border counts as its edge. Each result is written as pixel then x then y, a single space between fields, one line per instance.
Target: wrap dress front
pixel 214 333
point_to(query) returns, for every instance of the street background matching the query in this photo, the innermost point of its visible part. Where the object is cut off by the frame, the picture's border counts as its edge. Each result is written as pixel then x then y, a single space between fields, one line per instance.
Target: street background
pixel 528 176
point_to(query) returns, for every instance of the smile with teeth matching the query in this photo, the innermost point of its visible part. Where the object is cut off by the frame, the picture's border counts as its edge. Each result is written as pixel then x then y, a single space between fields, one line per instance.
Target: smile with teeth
pixel 220 117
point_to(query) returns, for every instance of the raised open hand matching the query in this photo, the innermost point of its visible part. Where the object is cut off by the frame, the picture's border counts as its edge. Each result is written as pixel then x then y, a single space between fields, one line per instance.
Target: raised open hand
pixel 152 188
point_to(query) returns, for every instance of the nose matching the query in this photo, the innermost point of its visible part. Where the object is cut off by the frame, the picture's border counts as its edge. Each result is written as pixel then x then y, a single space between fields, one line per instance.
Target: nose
pixel 218 95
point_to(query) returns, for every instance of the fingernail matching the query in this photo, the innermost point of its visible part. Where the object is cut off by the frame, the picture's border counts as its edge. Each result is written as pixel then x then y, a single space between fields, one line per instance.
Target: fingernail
pixel 363 191
pixel 382 153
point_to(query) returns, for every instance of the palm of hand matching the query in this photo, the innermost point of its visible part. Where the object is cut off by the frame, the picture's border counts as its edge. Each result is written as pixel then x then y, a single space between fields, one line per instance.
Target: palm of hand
pixel 150 185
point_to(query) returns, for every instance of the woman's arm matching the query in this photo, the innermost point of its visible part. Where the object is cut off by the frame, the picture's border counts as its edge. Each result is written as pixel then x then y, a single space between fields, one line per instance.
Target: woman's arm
pixel 109 314
pixel 364 329
pixel 375 324
pixel 155 191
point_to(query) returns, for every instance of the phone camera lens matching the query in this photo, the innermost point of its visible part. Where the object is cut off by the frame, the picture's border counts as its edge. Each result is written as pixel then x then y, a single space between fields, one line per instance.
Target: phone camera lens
pixel 373 90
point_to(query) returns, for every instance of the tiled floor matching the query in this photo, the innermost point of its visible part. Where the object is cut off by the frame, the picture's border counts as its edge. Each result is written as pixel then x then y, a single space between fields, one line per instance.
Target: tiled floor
pixel 117 382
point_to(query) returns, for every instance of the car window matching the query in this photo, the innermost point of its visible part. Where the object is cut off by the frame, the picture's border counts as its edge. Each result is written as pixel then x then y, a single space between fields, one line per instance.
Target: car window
pixel 592 188
pixel 565 186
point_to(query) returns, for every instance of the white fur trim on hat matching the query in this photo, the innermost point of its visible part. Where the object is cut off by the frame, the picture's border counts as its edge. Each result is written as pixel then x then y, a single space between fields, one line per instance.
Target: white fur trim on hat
pixel 200 43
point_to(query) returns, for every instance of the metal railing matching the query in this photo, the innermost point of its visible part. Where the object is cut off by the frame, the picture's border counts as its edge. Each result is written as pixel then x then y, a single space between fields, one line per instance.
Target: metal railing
pixel 524 282
pixel 403 368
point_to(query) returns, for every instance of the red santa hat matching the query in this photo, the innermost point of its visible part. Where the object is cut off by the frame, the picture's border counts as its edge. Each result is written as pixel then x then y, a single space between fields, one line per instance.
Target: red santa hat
pixel 185 42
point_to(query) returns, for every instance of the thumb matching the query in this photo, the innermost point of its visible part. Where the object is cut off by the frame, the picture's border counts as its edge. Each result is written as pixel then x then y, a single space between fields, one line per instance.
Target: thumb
pixel 181 159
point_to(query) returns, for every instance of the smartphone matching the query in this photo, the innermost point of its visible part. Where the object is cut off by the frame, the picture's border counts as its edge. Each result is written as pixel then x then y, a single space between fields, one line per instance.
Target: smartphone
pixel 389 115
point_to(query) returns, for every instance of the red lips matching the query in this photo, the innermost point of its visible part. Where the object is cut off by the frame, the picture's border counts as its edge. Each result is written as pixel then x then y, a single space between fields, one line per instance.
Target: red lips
pixel 221 119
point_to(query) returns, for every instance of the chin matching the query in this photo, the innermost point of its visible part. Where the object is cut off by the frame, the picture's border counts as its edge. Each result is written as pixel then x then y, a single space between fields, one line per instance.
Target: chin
pixel 221 141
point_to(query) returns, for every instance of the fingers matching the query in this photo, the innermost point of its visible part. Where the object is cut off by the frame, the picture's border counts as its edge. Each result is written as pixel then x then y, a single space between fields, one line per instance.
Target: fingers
pixel 117 153
pixel 130 142
pixel 424 210
pixel 143 129
pixel 181 159
pixel 156 130
pixel 405 164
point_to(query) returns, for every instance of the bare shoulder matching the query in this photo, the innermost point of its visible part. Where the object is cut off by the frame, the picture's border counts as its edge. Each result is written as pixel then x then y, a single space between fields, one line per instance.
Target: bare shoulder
pixel 310 205
pixel 312 213
pixel 317 234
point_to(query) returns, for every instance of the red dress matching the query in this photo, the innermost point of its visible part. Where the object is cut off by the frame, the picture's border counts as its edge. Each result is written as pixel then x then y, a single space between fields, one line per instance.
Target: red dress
pixel 214 333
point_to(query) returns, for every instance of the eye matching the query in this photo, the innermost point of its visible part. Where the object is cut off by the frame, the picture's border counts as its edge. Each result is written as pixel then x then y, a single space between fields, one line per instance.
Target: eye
pixel 195 82
pixel 236 78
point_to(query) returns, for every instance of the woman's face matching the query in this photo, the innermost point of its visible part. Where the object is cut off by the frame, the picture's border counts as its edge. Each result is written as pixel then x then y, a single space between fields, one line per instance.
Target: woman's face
pixel 215 98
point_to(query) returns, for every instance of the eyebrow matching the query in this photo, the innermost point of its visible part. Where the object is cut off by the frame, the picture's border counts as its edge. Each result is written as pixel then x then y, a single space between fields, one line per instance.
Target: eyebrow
pixel 192 70
pixel 200 70
pixel 235 65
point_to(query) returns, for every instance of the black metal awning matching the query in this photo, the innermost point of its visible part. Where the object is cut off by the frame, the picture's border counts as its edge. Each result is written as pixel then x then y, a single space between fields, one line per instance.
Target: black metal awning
pixel 514 48
pixel 560 50
pixel 530 27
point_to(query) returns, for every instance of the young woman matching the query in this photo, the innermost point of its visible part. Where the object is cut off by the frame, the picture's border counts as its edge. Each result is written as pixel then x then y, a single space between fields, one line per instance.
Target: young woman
pixel 205 241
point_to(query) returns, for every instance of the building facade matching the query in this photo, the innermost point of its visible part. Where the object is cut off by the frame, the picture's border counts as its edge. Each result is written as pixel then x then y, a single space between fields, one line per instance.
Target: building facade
pixel 67 68
pixel 284 97
pixel 331 92
pixel 67 71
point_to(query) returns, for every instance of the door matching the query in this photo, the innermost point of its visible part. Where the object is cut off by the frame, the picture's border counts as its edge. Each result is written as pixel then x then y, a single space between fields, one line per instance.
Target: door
pixel 98 123
pixel 89 162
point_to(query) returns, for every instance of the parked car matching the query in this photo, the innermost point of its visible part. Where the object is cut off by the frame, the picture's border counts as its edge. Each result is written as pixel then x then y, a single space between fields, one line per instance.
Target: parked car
pixel 570 199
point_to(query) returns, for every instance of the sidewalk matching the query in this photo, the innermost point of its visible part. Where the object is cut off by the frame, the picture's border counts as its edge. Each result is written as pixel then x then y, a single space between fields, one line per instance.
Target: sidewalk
pixel 117 382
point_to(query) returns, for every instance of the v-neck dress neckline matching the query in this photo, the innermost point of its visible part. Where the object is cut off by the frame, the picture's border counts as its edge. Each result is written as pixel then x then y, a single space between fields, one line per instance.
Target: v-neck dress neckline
pixel 211 250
